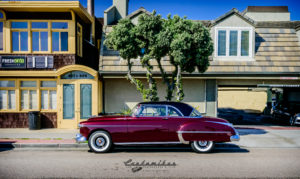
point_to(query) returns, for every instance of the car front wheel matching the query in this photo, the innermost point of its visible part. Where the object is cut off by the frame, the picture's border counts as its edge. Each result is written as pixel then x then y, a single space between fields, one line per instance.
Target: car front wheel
pixel 100 142
pixel 202 146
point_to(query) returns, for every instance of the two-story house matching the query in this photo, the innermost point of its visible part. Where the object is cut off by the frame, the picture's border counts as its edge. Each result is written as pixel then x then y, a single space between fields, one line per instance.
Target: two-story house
pixel 49 53
pixel 254 51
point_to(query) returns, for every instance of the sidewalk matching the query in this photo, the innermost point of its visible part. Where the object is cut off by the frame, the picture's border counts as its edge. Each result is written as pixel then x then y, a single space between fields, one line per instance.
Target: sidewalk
pixel 251 137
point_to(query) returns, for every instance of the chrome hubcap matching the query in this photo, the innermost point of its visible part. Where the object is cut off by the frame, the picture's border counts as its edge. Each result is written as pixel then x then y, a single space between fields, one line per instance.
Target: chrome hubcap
pixel 202 143
pixel 100 141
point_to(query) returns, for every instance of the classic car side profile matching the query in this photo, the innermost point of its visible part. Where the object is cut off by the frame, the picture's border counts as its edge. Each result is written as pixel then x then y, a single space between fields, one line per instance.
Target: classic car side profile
pixel 157 123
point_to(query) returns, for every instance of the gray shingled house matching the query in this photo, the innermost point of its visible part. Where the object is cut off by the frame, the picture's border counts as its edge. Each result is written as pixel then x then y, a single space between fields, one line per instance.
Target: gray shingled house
pixel 254 50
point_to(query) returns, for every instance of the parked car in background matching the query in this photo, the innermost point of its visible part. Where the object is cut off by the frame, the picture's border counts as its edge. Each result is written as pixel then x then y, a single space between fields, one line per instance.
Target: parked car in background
pixel 287 112
pixel 157 123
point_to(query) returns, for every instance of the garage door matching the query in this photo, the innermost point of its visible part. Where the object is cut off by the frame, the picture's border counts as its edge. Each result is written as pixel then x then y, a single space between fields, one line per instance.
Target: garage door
pixel 248 99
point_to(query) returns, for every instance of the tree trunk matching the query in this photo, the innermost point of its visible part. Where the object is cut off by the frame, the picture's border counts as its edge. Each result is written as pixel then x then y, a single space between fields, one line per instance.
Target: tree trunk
pixel 138 84
pixel 166 80
pixel 179 90
pixel 152 95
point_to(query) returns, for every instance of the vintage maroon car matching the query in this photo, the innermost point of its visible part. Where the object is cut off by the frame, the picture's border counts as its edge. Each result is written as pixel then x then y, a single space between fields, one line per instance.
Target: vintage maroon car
pixel 157 123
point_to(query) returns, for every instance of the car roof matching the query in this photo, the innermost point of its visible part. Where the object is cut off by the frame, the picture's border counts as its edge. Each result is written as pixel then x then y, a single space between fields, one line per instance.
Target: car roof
pixel 184 108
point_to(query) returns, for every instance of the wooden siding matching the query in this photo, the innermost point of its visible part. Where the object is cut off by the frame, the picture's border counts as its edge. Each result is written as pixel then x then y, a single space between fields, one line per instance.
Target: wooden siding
pixel 276 50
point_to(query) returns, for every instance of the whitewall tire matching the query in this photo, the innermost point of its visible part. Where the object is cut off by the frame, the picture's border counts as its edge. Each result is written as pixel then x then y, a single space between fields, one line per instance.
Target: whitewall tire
pixel 100 142
pixel 202 146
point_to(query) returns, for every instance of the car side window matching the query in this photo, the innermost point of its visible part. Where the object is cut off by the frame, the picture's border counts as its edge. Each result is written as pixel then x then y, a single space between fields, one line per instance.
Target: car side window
pixel 153 111
pixel 173 112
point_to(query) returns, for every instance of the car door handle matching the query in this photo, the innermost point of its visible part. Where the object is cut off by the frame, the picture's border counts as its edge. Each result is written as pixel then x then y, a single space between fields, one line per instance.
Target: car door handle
pixel 165 118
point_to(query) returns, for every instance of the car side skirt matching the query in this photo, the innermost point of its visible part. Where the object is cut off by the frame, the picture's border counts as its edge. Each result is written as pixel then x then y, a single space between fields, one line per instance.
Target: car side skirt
pixel 145 143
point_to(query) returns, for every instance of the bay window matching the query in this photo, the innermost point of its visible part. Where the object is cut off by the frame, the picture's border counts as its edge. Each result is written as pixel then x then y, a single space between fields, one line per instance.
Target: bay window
pixel 23 95
pixel 233 42
pixel 42 35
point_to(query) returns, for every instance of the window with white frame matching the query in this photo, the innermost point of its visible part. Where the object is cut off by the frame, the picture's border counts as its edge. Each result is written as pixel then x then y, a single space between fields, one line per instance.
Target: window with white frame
pixel 233 42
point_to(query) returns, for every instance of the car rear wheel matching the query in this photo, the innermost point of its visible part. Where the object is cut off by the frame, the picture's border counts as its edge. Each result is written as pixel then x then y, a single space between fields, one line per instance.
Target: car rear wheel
pixel 202 146
pixel 100 142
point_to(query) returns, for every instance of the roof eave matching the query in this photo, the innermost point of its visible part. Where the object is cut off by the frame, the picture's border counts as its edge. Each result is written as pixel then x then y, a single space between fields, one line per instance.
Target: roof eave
pixel 47 6
pixel 231 12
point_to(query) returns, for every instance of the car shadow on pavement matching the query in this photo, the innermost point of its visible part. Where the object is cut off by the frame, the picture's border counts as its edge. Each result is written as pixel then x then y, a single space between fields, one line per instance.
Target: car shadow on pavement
pixel 250 131
pixel 220 148
pixel 6 146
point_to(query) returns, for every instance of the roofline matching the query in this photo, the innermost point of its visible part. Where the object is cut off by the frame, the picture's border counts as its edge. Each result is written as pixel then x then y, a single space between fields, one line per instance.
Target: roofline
pixel 49 6
pixel 212 75
pixel 231 12
pixel 138 11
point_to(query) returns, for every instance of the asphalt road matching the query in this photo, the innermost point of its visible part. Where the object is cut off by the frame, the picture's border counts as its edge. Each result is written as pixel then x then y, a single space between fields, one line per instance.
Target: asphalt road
pixel 253 162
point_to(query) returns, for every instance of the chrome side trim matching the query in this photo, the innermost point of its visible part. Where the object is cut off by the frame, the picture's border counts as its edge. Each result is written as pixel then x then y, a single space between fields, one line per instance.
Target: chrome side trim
pixel 121 125
pixel 181 139
pixel 204 132
pixel 144 143
pixel 227 124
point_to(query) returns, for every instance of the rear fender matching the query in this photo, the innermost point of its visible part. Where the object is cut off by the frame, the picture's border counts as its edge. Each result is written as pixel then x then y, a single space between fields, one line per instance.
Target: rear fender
pixel 204 131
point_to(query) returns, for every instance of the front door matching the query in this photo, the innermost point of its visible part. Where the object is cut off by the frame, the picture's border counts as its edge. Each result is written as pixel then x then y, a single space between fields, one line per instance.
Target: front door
pixel 151 125
pixel 76 102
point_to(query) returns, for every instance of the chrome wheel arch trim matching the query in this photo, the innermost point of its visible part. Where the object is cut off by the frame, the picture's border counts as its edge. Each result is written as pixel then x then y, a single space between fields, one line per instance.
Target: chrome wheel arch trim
pixel 181 139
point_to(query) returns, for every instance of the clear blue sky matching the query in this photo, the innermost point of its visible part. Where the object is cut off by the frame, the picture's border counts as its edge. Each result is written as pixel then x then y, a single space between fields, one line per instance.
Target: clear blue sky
pixel 198 9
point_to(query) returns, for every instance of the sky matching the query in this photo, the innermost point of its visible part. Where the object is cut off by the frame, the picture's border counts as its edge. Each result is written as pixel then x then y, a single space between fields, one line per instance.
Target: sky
pixel 197 9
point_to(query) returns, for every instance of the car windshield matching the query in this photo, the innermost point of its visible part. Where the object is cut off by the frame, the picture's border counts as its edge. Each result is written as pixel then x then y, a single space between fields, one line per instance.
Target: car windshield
pixel 195 113
pixel 135 110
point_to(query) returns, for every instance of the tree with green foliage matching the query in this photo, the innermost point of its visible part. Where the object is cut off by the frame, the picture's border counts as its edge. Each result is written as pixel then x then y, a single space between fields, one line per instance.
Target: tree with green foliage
pixel 147 31
pixel 188 45
pixel 123 39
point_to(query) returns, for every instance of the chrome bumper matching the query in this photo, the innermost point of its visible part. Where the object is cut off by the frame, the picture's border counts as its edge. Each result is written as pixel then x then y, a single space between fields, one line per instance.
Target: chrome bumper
pixel 79 138
pixel 235 137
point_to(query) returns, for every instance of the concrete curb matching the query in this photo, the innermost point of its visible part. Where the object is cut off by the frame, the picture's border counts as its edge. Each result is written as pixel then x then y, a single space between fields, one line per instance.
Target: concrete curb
pixel 85 145
pixel 18 145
